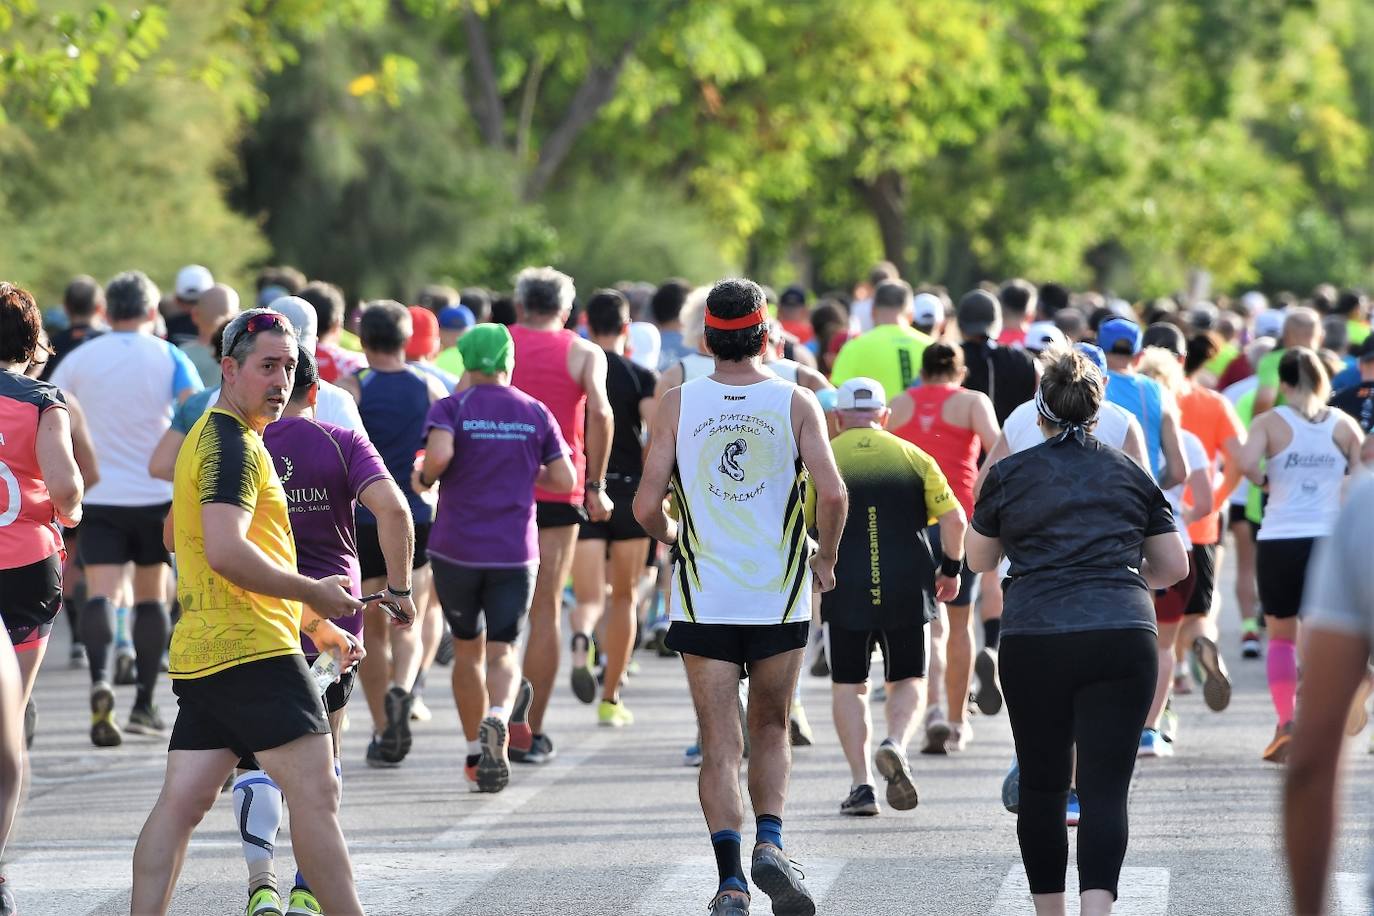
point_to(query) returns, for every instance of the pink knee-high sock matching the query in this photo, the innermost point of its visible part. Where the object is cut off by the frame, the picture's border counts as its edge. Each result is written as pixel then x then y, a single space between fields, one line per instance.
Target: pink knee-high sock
pixel 1282 668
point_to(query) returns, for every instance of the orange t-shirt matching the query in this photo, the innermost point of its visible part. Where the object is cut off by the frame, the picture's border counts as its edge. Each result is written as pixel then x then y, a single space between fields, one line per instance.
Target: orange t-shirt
pixel 1210 417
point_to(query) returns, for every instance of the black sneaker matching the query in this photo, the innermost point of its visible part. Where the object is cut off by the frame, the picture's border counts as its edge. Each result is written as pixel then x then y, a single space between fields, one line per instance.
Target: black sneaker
pixel 820 667
pixel 583 658
pixel 988 697
pixel 126 669
pixel 104 731
pixel 375 757
pixel 518 729
pixel 781 880
pixel 860 803
pixel 893 766
pixel 493 766
pixel 729 903
pixel 444 654
pixel 541 750
pixel 396 740
pixel 144 720
pixel 30 722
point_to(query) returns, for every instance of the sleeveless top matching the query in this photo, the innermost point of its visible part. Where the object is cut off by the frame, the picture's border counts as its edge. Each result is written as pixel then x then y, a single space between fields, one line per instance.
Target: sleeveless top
pixel 1304 480
pixel 1144 398
pixel 393 407
pixel 738 487
pixel 785 369
pixel 541 371
pixel 28 532
pixel 696 365
pixel 954 448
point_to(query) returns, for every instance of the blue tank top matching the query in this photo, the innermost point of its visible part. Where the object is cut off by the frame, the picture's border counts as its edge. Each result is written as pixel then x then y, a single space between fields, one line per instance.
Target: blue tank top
pixel 1143 398
pixel 393 407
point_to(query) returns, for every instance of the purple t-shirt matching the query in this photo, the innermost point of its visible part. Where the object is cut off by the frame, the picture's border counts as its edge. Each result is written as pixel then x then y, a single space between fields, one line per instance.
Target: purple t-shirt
pixel 323 468
pixel 501 439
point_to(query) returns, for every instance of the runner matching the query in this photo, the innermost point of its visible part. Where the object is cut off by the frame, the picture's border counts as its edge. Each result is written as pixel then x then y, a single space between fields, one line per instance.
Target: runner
pixel 84 304
pixel 1357 400
pixel 666 307
pixel 1302 451
pixel 1120 339
pixel 1078 652
pixel 1019 301
pixel 128 382
pixel 1302 327
pixel 888 582
pixel 568 374
pixel 334 361
pixel 323 469
pixel 953 425
pixel 252 695
pixel 454 322
pixel 1007 375
pixel 891 351
pixel 212 311
pixel 734 447
pixel 487 447
pixel 790 370
pixel 614 550
pixel 423 346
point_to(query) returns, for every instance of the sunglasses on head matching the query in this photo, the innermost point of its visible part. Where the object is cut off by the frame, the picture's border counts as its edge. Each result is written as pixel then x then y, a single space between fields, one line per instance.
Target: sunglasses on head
pixel 262 321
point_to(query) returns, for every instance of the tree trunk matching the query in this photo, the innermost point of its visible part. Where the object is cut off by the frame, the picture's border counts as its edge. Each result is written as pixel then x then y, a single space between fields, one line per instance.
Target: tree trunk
pixel 885 196
pixel 485 97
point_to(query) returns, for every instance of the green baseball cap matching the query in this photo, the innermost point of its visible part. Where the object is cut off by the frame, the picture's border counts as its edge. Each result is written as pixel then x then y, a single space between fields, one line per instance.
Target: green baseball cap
pixel 487 348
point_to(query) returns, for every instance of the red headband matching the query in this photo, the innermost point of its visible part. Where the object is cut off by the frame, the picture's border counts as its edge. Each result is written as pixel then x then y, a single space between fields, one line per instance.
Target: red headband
pixel 753 319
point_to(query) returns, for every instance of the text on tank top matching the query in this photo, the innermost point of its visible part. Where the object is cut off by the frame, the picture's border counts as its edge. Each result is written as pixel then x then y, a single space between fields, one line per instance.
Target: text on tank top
pixel 739 491
pixel 541 371
pixel 954 448
pixel 1305 479
pixel 28 532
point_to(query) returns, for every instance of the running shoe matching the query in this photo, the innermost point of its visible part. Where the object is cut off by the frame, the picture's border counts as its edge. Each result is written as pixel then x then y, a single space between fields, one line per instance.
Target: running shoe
pixel 729 903
pixel 1251 645
pixel 541 750
pixel 1152 744
pixel 76 656
pixel 821 666
pixel 493 767
pixel 518 728
pixel 959 737
pixel 265 901
pixel 395 739
pixel 1011 787
pixel 584 659
pixel 126 667
pixel 1072 813
pixel 375 757
pixel 144 720
pixel 104 731
pixel 892 765
pixel 861 802
pixel 30 722
pixel 419 712
pixel 937 732
pixel 1358 717
pixel 1168 724
pixel 443 655
pixel 880 694
pixel 781 879
pixel 1277 751
pixel 692 756
pixel 799 729
pixel 988 697
pixel 1183 684
pixel 303 903
pixel 613 715
pixel 8 906
pixel 1216 684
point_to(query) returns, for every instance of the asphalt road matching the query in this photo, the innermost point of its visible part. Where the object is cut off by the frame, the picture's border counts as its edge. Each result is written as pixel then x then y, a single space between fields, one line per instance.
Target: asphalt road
pixel 612 826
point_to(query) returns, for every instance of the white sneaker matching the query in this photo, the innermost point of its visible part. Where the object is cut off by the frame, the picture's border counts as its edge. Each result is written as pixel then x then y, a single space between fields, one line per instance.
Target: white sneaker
pixel 938 730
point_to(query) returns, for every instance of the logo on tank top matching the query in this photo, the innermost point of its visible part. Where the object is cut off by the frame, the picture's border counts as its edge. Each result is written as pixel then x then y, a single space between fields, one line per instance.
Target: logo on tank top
pixel 1315 462
pixel 738 448
pixel 729 466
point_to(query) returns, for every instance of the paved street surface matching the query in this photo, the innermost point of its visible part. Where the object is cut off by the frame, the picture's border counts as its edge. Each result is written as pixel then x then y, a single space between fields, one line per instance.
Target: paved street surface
pixel 612 825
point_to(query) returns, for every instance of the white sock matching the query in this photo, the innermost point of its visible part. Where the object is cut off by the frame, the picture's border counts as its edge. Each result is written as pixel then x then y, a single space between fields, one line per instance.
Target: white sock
pixel 497 712
pixel 258 811
pixel 474 747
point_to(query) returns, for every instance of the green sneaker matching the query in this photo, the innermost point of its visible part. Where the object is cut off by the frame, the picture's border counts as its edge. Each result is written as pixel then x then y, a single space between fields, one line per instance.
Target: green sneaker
pixel 614 715
pixel 303 903
pixel 265 901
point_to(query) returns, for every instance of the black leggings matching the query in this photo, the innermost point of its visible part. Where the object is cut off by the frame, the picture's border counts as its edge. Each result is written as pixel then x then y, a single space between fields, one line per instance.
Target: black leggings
pixel 1089 690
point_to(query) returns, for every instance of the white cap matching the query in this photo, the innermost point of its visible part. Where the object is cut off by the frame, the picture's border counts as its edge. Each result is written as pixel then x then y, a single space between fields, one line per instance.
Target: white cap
pixel 861 394
pixel 1269 323
pixel 302 316
pixel 1254 302
pixel 927 311
pixel 645 344
pixel 193 280
pixel 1042 335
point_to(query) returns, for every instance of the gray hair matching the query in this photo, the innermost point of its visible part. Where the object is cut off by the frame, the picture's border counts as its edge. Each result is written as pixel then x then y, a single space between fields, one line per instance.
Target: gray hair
pixel 238 342
pixel 544 291
pixel 131 295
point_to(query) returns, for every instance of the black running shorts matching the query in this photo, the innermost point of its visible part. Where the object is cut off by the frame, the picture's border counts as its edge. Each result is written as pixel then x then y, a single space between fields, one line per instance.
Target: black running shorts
pixel 115 535
pixel 371 560
pixel 739 645
pixel 622 525
pixel 851 651
pixel 335 699
pixel 477 598
pixel 558 515
pixel 1281 569
pixel 30 597
pixel 1205 587
pixel 251 707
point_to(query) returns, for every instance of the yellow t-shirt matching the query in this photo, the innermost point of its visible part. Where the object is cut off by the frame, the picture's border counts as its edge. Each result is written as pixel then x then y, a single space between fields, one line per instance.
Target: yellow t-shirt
pixel 222 625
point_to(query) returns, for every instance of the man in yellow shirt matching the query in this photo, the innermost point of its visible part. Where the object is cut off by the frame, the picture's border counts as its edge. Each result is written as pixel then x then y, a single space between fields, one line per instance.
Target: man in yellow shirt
pixel 236 663
pixel 891 352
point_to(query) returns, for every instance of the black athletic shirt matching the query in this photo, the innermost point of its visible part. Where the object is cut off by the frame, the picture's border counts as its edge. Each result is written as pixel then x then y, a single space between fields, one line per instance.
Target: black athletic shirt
pixel 1005 374
pixel 1358 401
pixel 627 384
pixel 1073 520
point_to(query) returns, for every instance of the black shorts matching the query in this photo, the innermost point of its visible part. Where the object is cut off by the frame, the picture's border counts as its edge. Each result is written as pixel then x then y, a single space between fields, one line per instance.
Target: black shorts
pixel 115 535
pixel 491 598
pixel 371 560
pixel 558 515
pixel 248 708
pixel 850 652
pixel 1204 594
pixel 1237 514
pixel 622 525
pixel 335 699
pixel 30 597
pixel 740 645
pixel 1281 570
pixel 968 580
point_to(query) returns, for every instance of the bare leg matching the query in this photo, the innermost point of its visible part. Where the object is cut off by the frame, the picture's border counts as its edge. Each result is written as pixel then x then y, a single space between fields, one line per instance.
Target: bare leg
pixel 771 683
pixel 849 708
pixel 12 756
pixel 1247 591
pixel 959 661
pixel 374 672
pixel 503 675
pixel 1095 903
pixel 1168 632
pixel 715 694
pixel 470 683
pixel 405 644
pixel 542 653
pixel 431 626
pixel 589 585
pixel 902 709
pixel 627 560
pixel 1049 904
pixel 935 677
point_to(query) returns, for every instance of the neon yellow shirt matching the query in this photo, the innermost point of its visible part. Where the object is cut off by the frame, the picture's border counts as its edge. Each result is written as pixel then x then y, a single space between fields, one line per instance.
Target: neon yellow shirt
pixel 890 354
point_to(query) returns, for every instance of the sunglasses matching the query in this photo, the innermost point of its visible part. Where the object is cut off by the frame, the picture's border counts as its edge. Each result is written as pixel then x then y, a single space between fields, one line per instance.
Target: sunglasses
pixel 262 321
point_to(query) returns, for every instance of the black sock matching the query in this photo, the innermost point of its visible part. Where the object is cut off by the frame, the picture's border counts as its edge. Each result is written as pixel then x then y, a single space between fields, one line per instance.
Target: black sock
pixel 97 635
pixel 150 638
pixel 471 760
pixel 729 867
pixel 992 632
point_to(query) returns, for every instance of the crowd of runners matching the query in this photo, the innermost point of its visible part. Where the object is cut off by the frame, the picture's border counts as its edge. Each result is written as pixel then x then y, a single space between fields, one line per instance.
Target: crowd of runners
pixel 1019 500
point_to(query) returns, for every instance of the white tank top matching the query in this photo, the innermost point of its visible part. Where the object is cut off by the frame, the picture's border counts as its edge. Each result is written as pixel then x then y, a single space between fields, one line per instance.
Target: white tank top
pixel 1304 480
pixel 785 369
pixel 696 365
pixel 739 492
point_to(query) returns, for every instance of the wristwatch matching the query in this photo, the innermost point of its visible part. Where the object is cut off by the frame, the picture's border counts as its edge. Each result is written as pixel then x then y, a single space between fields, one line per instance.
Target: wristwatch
pixel 596 486
pixel 950 567
pixel 399 593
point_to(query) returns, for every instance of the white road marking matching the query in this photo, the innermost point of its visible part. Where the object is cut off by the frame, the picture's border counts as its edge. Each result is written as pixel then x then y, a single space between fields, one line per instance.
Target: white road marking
pixel 70 882
pixel 433 881
pixel 1352 893
pixel 1144 892
pixel 690 884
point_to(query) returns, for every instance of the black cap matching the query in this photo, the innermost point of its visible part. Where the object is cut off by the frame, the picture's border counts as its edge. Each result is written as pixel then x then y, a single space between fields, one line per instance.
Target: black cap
pixel 793 295
pixel 979 314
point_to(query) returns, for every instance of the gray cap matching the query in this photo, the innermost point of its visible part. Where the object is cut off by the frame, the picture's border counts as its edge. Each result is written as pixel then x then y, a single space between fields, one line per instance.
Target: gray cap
pixel 302 316
pixel 979 314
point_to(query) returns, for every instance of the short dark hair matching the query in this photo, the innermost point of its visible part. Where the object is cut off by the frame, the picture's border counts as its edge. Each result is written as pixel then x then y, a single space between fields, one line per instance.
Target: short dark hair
pixel 893 294
pixel 668 300
pixel 285 276
pixel 503 310
pixel 478 302
pixel 735 298
pixel 437 296
pixel 21 324
pixel 82 297
pixel 1053 297
pixel 883 272
pixel 131 295
pixel 1348 302
pixel 1018 297
pixel 385 326
pixel 307 374
pixel 941 360
pixel 328 301
pixel 242 340
pixel 607 312
pixel 1163 335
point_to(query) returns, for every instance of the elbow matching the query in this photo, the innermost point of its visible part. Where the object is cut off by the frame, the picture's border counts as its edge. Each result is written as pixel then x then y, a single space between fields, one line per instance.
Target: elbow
pixel 219 559
pixel 602 417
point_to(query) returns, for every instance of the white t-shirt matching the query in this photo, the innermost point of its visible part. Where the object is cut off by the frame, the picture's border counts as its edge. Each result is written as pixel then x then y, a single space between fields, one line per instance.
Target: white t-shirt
pixel 334 405
pixel 127 383
pixel 861 317
pixel 1022 428
pixel 1194 456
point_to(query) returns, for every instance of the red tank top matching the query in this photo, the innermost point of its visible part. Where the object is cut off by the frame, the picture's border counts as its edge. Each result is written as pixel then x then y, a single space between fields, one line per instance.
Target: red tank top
pixel 954 448
pixel 28 532
pixel 541 371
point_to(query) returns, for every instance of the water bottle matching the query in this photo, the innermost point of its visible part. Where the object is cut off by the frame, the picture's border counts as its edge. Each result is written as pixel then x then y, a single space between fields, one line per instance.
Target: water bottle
pixel 325 671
